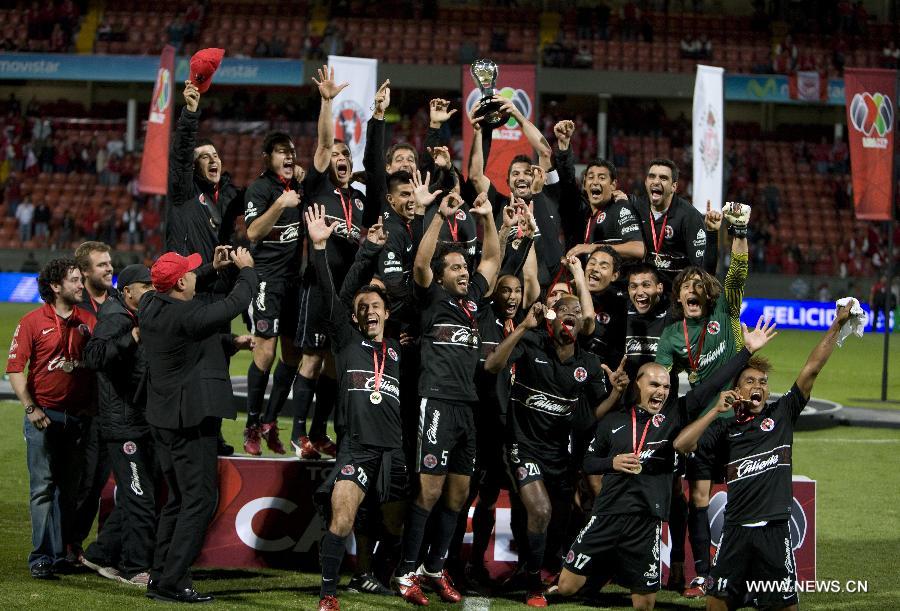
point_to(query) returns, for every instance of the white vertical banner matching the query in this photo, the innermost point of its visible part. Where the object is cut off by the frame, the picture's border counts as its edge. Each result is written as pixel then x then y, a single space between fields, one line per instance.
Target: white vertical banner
pixel 709 137
pixel 352 107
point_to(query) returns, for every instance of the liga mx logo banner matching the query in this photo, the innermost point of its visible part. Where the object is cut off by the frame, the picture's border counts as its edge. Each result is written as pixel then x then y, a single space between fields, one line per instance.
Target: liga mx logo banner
pixel 709 137
pixel 352 108
pixel 155 161
pixel 870 98
pixel 516 83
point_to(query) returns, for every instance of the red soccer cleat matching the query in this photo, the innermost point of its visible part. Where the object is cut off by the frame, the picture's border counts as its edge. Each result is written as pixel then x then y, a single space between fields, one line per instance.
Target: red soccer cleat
pixel 252 441
pixel 697 589
pixel 325 446
pixel 304 449
pixel 269 432
pixel 409 588
pixel 536 599
pixel 329 603
pixel 440 583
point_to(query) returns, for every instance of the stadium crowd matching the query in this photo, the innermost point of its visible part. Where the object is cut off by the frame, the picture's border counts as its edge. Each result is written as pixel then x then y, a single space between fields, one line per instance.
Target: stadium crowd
pixel 461 340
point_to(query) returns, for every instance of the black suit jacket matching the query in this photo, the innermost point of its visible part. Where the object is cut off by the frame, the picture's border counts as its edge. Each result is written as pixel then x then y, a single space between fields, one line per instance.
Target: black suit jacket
pixel 186 355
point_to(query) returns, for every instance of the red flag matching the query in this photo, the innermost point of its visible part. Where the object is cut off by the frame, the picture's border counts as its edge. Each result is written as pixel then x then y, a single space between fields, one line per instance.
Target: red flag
pixel 155 162
pixel 870 97
pixel 808 86
pixel 517 83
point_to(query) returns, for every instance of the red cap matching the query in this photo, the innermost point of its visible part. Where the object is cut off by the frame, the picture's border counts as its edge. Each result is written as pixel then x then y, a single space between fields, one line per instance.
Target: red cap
pixel 204 64
pixel 170 267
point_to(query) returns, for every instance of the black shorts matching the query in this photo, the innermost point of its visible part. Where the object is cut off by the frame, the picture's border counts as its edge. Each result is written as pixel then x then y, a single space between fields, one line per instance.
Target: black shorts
pixel 524 467
pixel 624 548
pixel 368 466
pixel 274 310
pixel 311 329
pixel 446 438
pixel 755 558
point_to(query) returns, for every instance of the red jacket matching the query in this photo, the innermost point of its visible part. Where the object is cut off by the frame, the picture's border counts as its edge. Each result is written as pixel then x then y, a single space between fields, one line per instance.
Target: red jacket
pixel 47 343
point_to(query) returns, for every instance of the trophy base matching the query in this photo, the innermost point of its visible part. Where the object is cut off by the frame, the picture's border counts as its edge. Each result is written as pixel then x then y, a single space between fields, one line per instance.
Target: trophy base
pixel 492 117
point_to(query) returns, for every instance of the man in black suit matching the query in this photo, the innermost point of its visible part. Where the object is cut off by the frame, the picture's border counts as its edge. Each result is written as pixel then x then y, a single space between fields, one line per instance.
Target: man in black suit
pixel 188 392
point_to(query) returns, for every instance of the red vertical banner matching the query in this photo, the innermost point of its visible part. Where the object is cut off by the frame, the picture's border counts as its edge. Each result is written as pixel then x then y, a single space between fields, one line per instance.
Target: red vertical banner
pixel 515 82
pixel 870 97
pixel 155 161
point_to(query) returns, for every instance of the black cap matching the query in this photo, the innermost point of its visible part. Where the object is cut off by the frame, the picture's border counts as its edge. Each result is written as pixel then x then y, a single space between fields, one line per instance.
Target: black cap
pixel 133 273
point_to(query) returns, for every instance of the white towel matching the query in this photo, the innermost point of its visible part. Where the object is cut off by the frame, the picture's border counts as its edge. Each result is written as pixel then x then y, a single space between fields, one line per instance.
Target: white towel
pixel 857 323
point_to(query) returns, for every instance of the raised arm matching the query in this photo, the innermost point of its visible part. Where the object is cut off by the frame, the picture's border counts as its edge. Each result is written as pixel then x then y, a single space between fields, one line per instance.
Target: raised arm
pixel 476 157
pixel 618 380
pixel 490 249
pixel 532 133
pixel 360 273
pixel 689 436
pixel 328 90
pixel 181 157
pixel 821 353
pixel 712 222
pixel 422 274
pixel 588 318
pixel 205 320
pixel 499 358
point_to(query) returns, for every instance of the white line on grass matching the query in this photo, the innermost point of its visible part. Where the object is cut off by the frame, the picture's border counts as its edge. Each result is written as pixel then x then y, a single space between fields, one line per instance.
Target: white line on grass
pixel 838 440
pixel 476 603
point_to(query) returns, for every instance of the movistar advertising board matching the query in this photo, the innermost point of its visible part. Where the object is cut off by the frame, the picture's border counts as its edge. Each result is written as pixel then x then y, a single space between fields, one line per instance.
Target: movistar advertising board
pixel 142 69
pixel 773 88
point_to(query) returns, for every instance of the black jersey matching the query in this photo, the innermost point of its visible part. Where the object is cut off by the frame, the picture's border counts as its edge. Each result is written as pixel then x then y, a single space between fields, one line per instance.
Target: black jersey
pixel 642 333
pixel 545 393
pixel 608 339
pixel 462 229
pixel 682 241
pixel 757 457
pixel 450 342
pixel 649 492
pixel 276 255
pixel 371 423
pixel 614 223
pixel 395 266
pixel 345 208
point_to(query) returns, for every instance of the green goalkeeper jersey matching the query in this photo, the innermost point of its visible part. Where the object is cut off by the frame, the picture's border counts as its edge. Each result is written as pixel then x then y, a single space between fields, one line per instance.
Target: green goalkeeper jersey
pixel 723 337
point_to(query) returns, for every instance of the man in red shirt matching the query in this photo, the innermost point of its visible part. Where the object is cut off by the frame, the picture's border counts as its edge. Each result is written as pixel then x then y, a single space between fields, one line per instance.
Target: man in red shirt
pixel 57 394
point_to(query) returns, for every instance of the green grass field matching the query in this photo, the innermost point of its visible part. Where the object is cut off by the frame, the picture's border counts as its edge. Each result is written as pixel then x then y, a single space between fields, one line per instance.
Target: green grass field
pixel 858 518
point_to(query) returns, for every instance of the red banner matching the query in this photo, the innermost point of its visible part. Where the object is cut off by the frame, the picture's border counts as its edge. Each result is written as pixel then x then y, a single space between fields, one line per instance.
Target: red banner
pixel 155 162
pixel 265 518
pixel 515 82
pixel 870 96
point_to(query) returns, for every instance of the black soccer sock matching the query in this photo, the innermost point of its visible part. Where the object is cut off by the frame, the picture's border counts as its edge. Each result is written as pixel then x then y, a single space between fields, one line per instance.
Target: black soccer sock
pixel 281 387
pixel 446 524
pixel 326 395
pixel 257 380
pixel 482 526
pixel 677 525
pixel 303 396
pixel 332 554
pixel 413 535
pixel 698 527
pixel 536 544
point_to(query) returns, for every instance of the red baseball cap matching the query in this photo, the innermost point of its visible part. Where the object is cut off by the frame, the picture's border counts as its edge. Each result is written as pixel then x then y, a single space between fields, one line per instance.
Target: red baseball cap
pixel 204 64
pixel 170 267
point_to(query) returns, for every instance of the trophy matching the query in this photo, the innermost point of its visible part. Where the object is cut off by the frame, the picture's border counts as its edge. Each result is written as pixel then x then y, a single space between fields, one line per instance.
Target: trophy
pixel 484 73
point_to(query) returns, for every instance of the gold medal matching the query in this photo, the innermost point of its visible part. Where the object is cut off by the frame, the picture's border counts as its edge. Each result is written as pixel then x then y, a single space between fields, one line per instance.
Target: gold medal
pixel 693 377
pixel 638 469
pixel 550 314
pixel 375 397
pixel 68 366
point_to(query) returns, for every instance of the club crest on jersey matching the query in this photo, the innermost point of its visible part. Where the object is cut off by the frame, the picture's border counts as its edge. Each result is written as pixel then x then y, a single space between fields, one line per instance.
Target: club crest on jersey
pixel 262 326
pixel 603 318
pixel 670 233
pixel 521 473
pixel 460 215
pixel 202 198
pixel 348 470
pixel 430 461
pixel 767 425
pixel 570 557
pixel 581 374
pixel 393 354
pixel 601 217
pixel 712 327
pixel 129 447
pixel 359 204
pixel 470 306
pixel 658 419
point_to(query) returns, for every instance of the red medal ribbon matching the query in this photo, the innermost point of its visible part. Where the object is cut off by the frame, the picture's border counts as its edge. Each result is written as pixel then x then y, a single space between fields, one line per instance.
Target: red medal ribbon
pixel 408 230
pixel 454 228
pixel 347 207
pixel 694 363
pixel 66 345
pixel 590 226
pixel 216 195
pixel 657 243
pixel 462 306
pixel 379 371
pixel 637 447
pixel 508 327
